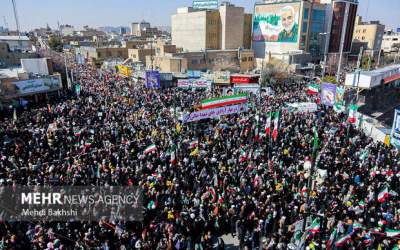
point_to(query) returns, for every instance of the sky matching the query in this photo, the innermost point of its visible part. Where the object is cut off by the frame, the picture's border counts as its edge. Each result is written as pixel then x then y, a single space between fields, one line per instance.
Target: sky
pixel 95 13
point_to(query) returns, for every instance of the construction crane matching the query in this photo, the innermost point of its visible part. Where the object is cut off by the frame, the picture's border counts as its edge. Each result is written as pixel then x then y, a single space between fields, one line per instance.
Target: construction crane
pixel 16 19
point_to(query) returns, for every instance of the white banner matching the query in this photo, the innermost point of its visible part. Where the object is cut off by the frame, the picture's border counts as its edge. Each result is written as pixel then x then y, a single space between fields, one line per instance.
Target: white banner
pixel 193 83
pixel 395 136
pixel 210 113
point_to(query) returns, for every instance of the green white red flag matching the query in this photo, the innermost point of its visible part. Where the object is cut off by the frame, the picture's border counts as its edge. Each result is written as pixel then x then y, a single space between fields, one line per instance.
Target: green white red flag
pixel 276 126
pixel 223 101
pixel 268 124
pixel 352 113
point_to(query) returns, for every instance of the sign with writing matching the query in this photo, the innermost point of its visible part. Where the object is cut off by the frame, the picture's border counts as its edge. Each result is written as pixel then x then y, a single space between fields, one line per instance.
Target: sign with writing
pixel 244 79
pixel 193 83
pixel 205 4
pixel 303 107
pixel 215 112
pixel 222 77
pixel 38 85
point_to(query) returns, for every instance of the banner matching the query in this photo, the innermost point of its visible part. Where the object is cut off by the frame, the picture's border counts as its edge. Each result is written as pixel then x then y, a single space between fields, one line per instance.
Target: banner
pixel 215 112
pixel 124 70
pixel 303 107
pixel 152 79
pixel 46 84
pixel 395 135
pixel 193 83
pixel 222 77
pixel 328 94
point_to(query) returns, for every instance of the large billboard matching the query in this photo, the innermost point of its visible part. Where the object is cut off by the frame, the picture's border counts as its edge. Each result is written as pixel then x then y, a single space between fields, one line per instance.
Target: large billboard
pixel 39 85
pixel 276 27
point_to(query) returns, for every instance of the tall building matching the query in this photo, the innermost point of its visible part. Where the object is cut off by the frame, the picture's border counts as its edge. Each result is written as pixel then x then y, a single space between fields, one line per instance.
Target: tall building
pixel 342 15
pixel 227 27
pixel 137 28
pixel 67 30
pixel 289 30
pixel 369 32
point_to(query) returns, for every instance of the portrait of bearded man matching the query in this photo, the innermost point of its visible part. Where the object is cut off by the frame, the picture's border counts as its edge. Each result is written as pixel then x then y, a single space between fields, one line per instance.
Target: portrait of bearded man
pixel 289 26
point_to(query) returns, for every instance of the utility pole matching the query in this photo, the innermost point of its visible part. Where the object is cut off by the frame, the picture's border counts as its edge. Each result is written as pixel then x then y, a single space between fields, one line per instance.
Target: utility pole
pixel 342 40
pixel 379 58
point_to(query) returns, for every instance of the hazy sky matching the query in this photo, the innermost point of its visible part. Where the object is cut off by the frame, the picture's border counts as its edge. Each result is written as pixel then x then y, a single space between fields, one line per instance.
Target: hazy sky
pixel 95 13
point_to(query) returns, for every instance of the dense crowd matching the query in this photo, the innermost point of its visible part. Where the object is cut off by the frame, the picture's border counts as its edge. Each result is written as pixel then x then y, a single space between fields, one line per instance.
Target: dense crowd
pixel 230 176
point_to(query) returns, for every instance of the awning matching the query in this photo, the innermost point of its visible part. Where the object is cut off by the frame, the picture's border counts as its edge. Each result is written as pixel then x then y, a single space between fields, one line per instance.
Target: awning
pixel 391 78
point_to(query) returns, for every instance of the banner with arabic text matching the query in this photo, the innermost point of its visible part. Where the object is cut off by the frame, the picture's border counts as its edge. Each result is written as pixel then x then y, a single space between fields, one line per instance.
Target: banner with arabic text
pixel 210 113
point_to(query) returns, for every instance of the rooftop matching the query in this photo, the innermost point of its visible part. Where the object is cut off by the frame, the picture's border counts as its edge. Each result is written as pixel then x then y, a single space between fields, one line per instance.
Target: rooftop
pixel 380 71
pixel 10 72
pixel 14 38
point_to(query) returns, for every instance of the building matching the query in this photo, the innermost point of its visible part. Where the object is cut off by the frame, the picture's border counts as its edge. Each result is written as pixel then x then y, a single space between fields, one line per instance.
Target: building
pixel 391 42
pixel 369 32
pixel 22 43
pixel 2 29
pixel 197 30
pixel 239 60
pixel 374 78
pixel 67 30
pixel 10 58
pixel 289 31
pixel 139 54
pixel 342 15
pixel 97 56
pixel 137 28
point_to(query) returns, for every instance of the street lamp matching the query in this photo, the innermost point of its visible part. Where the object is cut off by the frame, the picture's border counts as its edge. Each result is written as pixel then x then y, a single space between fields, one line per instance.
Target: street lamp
pixel 326 34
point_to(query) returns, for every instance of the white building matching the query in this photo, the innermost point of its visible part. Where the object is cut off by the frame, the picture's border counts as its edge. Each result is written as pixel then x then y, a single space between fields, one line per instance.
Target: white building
pixel 67 30
pixel 17 42
pixel 373 78
pixel 389 39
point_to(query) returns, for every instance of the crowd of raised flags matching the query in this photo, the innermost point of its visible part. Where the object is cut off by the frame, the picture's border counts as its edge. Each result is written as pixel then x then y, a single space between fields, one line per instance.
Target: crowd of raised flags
pixel 244 174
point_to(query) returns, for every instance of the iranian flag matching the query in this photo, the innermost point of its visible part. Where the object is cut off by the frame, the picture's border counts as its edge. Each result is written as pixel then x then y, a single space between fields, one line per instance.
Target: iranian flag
pixel 276 124
pixel 383 195
pixel 173 156
pixel 243 156
pixel 392 233
pixel 223 101
pixel 343 240
pixel 313 89
pixel 352 113
pixel 150 149
pixel 332 238
pixel 314 227
pixel 268 125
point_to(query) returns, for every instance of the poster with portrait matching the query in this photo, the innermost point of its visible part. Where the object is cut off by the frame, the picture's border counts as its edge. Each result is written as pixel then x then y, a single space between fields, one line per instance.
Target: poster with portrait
pixel 152 79
pixel 276 23
pixel 328 94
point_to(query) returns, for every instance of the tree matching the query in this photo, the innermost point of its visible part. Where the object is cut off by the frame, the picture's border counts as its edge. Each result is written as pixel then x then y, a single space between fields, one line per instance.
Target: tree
pixel 56 44
pixel 273 71
pixel 330 79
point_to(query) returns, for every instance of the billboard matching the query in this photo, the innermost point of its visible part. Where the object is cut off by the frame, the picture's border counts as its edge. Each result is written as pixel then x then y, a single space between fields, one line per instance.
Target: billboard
pixel 38 85
pixel 276 28
pixel 222 77
pixel 395 135
pixel 205 4
pixel 152 79
pixel 328 94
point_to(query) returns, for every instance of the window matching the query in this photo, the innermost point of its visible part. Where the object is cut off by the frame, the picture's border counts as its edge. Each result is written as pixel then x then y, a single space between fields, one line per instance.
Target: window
pixel 363 38
pixel 194 61
pixel 99 53
pixel 305 26
pixel 305 16
pixel 364 31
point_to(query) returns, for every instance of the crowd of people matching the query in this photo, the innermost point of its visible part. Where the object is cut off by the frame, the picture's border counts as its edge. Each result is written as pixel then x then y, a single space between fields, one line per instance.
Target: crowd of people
pixel 229 177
